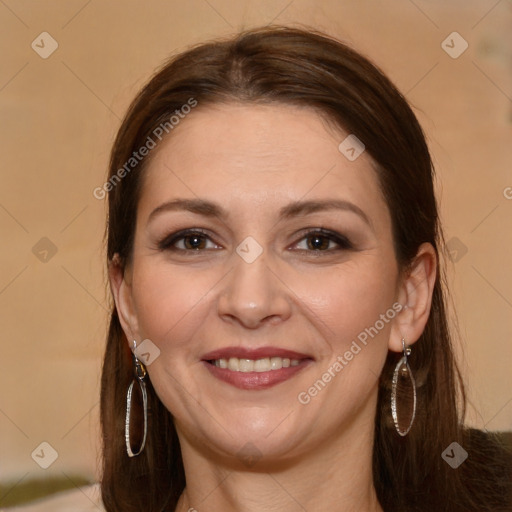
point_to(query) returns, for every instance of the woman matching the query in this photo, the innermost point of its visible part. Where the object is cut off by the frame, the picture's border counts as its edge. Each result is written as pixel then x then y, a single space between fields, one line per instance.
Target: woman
pixel 278 338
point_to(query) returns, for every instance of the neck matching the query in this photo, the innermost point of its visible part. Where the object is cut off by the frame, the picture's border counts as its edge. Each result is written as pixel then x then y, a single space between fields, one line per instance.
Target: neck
pixel 334 476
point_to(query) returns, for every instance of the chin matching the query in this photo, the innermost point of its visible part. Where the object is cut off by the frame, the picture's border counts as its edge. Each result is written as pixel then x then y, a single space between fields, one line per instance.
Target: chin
pixel 251 435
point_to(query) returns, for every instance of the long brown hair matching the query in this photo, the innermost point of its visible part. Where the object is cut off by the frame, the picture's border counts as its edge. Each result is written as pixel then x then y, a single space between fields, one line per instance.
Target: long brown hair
pixel 303 68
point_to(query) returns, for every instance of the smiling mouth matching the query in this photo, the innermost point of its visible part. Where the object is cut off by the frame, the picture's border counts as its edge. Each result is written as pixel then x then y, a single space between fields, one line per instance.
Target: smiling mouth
pixel 265 364
pixel 255 369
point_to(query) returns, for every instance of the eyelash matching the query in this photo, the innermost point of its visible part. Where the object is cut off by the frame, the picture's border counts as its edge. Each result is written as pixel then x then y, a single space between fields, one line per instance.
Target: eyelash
pixel 167 243
pixel 342 241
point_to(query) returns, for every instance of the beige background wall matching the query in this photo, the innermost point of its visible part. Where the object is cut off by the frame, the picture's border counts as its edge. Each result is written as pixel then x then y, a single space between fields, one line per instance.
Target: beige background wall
pixel 59 116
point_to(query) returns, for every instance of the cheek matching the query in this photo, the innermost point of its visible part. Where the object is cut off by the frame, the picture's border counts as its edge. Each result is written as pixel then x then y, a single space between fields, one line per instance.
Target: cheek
pixel 346 300
pixel 352 307
pixel 170 302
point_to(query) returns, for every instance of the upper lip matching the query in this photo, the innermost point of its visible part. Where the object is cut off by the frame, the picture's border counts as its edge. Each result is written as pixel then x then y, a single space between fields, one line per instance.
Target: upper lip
pixel 253 353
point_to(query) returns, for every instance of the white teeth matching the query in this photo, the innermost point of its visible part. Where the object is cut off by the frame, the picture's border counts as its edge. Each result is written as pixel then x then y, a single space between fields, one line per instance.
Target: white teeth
pixel 233 364
pixel 262 365
pixel 245 365
pixel 276 363
pixel 255 365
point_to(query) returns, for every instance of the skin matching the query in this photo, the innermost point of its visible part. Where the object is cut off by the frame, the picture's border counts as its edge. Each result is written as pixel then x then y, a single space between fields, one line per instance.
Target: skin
pixel 252 161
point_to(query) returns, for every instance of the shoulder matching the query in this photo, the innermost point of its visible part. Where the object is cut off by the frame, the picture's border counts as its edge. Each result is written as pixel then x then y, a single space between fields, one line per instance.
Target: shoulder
pixel 84 499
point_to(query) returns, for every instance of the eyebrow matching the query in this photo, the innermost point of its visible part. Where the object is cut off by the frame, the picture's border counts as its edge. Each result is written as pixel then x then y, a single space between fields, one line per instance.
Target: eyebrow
pixel 294 209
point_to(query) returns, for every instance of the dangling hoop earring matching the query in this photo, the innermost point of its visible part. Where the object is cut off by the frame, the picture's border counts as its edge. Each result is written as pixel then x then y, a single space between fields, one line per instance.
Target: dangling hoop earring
pixel 401 373
pixel 140 374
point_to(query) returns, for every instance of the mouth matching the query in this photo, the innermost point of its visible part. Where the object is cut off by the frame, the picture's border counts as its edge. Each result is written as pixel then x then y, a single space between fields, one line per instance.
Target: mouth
pixel 255 368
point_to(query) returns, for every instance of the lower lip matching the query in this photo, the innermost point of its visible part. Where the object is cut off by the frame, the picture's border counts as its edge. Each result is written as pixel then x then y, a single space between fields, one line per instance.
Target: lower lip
pixel 256 380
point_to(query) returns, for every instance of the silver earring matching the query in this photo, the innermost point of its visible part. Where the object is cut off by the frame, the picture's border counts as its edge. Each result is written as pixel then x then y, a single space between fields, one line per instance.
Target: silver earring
pixel 403 378
pixel 140 374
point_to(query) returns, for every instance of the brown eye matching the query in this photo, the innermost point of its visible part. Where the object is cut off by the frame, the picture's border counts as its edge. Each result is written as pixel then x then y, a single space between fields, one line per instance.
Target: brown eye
pixel 188 240
pixel 318 242
pixel 323 241
pixel 194 242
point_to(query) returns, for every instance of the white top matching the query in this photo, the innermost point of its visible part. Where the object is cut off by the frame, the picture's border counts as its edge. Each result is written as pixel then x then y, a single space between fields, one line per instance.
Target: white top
pixel 84 499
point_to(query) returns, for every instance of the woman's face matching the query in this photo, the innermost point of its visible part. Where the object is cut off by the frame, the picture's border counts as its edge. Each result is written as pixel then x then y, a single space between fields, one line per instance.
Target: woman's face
pixel 264 272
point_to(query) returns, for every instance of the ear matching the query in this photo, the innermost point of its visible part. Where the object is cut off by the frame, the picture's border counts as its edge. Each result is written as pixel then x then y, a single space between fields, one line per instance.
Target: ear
pixel 415 294
pixel 121 286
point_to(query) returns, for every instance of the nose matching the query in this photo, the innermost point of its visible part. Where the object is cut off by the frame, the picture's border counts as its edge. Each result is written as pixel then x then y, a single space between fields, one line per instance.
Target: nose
pixel 253 294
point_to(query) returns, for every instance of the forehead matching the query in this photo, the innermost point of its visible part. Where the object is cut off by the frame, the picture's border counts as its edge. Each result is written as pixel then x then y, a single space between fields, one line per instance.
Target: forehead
pixel 270 134
pixel 261 153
